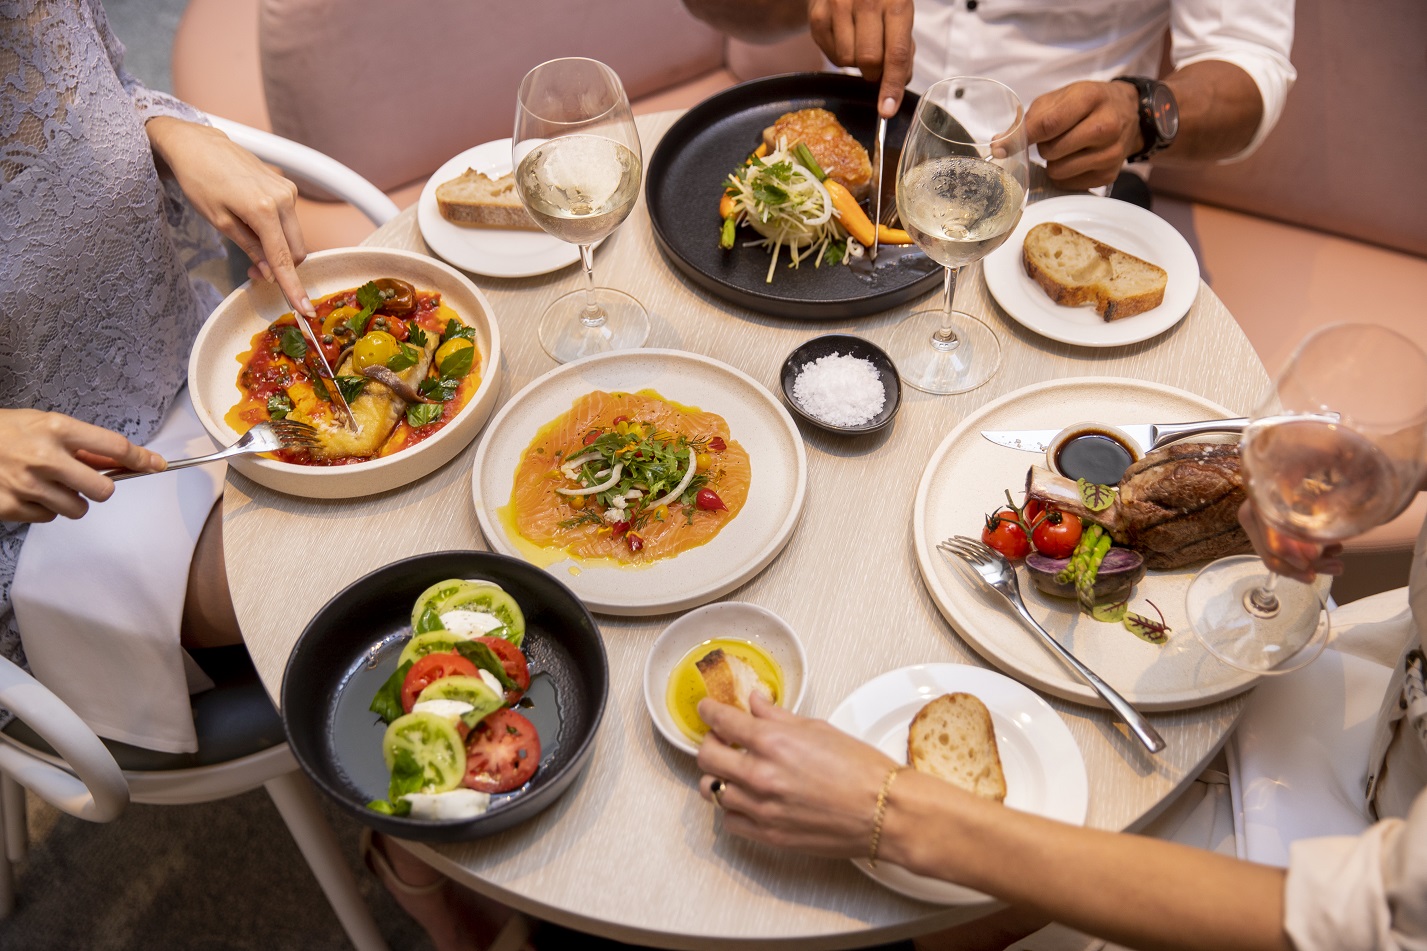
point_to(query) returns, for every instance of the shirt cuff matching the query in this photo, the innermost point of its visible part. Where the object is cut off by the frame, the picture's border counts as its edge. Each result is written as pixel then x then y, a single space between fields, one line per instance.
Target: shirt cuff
pixel 1335 898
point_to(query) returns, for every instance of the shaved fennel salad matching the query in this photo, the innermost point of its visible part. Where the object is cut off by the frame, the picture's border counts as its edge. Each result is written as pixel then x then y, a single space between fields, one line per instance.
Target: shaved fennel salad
pixel 783 197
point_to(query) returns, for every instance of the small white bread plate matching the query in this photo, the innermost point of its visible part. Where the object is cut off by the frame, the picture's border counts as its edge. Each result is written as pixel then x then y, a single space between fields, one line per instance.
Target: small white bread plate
pixel 743 548
pixel 1045 773
pixel 496 252
pixel 1121 224
pixel 213 369
pixel 968 476
pixel 737 620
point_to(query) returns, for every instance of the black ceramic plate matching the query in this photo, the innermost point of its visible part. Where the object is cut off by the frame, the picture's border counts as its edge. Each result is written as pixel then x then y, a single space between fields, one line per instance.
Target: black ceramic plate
pixel 350 648
pixel 852 346
pixel 684 179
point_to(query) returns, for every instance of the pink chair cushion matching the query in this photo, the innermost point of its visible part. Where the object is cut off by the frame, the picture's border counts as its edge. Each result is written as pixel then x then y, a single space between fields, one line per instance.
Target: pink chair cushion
pixel 395 90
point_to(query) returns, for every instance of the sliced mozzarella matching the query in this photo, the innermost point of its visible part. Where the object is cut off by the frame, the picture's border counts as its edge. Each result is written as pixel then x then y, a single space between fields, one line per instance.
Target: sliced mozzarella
pixel 469 624
pixel 455 804
pixel 491 682
pixel 450 709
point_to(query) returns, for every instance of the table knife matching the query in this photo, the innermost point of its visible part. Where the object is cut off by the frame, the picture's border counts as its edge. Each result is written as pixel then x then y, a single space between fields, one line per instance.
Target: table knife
pixel 877 184
pixel 324 370
pixel 1148 435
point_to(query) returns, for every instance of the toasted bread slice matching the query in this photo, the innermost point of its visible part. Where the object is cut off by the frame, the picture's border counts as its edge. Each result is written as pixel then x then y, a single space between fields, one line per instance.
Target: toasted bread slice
pixel 729 680
pixel 476 200
pixel 1075 269
pixel 952 738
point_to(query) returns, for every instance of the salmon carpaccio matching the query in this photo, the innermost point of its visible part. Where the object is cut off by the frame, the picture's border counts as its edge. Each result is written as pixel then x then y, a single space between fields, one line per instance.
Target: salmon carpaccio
pixel 538 509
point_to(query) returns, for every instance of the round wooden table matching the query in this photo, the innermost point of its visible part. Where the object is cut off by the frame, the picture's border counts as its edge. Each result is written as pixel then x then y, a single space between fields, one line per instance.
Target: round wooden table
pixel 631 851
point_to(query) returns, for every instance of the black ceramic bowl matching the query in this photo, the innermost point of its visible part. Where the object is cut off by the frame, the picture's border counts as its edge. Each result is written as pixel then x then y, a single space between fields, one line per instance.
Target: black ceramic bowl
pixel 351 647
pixel 854 346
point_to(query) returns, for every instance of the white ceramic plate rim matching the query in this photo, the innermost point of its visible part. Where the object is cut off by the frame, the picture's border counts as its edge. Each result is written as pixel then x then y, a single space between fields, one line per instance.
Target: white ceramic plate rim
pixel 985 621
pixel 1127 227
pixel 1045 771
pixel 693 577
pixel 496 252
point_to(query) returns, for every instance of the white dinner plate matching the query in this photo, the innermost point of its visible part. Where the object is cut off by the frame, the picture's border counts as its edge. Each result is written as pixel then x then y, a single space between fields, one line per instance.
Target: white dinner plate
pixel 1129 228
pixel 743 548
pixel 497 252
pixel 1045 773
pixel 968 476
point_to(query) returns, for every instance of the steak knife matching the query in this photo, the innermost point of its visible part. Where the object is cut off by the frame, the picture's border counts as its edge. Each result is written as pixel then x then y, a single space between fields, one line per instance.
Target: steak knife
pixel 877 184
pixel 1148 435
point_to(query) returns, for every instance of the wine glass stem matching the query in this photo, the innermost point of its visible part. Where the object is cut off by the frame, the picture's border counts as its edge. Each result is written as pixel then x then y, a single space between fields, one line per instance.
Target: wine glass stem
pixel 592 315
pixel 945 338
pixel 1261 601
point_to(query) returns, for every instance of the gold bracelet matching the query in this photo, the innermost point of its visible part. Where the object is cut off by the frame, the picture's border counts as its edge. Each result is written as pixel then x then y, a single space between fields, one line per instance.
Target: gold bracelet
pixel 881 813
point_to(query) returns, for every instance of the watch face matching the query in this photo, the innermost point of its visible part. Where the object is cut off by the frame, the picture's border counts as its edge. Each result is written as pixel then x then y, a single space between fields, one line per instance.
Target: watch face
pixel 1166 112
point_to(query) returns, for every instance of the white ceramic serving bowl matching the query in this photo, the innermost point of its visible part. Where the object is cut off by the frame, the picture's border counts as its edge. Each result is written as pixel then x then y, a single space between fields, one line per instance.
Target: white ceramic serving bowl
pixel 731 619
pixel 213 369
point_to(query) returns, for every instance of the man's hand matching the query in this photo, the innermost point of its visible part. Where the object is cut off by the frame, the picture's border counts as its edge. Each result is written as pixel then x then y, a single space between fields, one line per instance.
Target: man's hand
pixel 873 35
pixel 243 198
pixel 49 464
pixel 1086 131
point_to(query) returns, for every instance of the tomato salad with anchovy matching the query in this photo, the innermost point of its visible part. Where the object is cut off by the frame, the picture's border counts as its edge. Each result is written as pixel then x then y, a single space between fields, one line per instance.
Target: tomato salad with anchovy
pixel 452 738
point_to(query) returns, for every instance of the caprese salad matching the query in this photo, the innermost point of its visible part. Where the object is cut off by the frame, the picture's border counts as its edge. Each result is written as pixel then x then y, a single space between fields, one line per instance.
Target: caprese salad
pixel 452 738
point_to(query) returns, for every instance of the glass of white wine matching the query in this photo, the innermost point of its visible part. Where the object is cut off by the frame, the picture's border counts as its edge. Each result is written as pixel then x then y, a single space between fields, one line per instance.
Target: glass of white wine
pixel 1334 449
pixel 961 187
pixel 577 169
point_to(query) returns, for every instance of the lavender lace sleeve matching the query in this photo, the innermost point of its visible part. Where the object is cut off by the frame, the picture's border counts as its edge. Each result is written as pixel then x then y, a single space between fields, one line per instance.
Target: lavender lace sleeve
pixel 97 307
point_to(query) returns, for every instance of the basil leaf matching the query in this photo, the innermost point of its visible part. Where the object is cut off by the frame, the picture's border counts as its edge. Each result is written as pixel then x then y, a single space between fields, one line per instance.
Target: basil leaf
pixel 293 345
pixel 458 364
pixel 429 621
pixel 279 405
pixel 387 703
pixel 351 387
pixel 404 359
pixel 406 776
pixel 454 329
pixel 399 808
pixel 414 334
pixel 483 657
pixel 319 389
pixel 442 389
pixel 422 414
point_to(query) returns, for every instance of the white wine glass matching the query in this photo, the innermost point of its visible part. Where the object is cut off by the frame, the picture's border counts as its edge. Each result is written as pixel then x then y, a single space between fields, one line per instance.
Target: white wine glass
pixel 1334 449
pixel 577 169
pixel 961 186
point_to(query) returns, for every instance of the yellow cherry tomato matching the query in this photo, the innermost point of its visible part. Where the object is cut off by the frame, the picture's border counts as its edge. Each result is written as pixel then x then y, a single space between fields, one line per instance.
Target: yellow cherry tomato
pixel 450 347
pixel 577 502
pixel 338 317
pixel 703 460
pixel 374 349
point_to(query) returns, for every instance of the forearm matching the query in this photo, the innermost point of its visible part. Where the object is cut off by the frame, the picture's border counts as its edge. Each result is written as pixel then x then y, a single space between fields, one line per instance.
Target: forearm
pixel 1137 891
pixel 1219 111
pixel 753 21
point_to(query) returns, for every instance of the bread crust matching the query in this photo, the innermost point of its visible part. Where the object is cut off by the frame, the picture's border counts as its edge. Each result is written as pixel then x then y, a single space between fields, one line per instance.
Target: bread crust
pixel 473 199
pixel 1108 303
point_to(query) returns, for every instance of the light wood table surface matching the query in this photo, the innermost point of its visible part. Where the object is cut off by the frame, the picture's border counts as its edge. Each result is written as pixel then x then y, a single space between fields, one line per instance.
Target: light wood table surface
pixel 631 851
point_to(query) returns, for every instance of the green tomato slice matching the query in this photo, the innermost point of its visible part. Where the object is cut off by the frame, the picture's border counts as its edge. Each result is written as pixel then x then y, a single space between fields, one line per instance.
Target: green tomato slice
pixel 458 594
pixel 431 642
pixel 472 690
pixel 424 753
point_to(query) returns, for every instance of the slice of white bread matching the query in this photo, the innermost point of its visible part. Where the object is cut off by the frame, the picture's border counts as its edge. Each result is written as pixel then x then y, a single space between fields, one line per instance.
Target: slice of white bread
pixel 729 679
pixel 952 738
pixel 474 199
pixel 1075 269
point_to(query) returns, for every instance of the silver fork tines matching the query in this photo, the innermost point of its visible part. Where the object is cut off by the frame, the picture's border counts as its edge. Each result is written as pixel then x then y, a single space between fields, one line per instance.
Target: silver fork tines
pixel 1000 576
pixel 269 435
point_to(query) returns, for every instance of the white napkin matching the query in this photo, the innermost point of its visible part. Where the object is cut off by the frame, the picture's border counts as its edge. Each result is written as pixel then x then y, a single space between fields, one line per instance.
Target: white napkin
pixel 99 600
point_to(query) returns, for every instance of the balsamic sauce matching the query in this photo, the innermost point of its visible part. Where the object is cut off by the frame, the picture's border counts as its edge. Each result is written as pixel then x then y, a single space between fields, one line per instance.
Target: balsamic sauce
pixel 1095 457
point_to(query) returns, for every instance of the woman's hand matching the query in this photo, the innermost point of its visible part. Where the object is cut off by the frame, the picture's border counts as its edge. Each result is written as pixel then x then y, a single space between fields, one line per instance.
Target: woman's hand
pixel 49 464
pixel 243 198
pixel 796 783
pixel 1288 556
pixel 873 35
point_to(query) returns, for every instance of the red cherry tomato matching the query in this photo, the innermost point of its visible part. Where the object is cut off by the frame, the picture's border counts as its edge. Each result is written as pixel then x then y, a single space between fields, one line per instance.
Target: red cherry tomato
pixel 512 660
pixel 1057 534
pixel 430 669
pixel 708 500
pixel 1032 511
pixel 502 753
pixel 591 436
pixel 635 541
pixel 716 444
pixel 1003 532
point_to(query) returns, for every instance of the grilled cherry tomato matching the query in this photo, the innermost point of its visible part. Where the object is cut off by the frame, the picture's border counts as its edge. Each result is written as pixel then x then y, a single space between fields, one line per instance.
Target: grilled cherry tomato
pixel 512 660
pixel 1057 534
pixel 374 349
pixel 708 500
pixel 502 753
pixel 432 668
pixel 1003 532
pixel 398 297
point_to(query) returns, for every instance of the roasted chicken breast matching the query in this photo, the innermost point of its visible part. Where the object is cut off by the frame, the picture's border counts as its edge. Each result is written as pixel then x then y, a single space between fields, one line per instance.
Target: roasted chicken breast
pixel 841 156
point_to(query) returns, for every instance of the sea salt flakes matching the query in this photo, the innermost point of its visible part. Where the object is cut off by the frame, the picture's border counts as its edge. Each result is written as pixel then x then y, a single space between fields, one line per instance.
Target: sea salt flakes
pixel 839 389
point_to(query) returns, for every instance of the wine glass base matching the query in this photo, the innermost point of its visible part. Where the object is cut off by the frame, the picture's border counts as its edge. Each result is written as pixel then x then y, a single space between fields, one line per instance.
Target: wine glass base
pixel 567 334
pixel 1286 640
pixel 925 362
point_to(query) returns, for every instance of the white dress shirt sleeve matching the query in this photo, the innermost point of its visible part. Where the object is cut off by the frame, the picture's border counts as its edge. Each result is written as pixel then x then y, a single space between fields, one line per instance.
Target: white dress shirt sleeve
pixel 1254 36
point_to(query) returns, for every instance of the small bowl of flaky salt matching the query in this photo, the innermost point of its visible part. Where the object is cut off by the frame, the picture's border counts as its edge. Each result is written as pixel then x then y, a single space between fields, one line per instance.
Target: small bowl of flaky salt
pixel 842 383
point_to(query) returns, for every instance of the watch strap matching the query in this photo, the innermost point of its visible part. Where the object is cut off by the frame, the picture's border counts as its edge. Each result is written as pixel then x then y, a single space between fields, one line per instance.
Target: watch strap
pixel 1150 137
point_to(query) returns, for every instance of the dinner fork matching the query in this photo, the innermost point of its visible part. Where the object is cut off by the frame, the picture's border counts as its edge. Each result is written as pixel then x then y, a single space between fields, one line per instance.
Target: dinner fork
pixel 266 436
pixel 998 575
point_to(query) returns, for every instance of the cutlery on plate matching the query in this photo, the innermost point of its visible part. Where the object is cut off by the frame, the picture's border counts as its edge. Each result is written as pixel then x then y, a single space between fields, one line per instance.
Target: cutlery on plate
pixel 266 436
pixel 877 184
pixel 998 575
pixel 324 370
pixel 1148 435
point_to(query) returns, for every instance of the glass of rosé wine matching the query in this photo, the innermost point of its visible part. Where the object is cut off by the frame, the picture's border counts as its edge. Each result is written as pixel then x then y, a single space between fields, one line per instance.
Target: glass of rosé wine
pixel 1335 448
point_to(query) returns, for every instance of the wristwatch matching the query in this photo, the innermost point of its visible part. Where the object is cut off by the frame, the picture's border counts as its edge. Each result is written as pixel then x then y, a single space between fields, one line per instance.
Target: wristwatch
pixel 1159 115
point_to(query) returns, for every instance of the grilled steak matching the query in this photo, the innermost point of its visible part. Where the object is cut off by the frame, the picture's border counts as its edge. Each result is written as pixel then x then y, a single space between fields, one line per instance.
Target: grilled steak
pixel 1176 506
pixel 841 156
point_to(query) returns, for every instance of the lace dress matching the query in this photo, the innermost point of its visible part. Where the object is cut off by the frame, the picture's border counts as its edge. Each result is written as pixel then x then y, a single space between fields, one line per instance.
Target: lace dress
pixel 97 308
